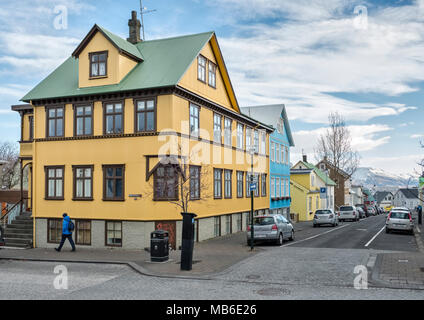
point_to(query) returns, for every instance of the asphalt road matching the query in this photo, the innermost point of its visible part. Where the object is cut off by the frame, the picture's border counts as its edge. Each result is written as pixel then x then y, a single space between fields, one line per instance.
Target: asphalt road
pixel 368 233
pixel 320 264
pixel 35 281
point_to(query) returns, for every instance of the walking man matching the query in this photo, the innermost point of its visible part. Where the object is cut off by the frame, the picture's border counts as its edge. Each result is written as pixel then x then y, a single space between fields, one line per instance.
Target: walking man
pixel 67 228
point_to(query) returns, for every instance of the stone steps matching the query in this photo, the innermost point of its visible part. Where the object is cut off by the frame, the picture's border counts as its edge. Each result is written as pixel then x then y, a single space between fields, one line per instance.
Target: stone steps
pixel 19 233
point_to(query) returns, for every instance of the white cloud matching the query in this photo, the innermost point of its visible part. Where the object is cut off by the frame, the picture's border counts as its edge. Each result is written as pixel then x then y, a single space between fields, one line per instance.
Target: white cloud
pixel 317 50
pixel 26 56
pixel 399 164
pixel 364 138
pixel 417 136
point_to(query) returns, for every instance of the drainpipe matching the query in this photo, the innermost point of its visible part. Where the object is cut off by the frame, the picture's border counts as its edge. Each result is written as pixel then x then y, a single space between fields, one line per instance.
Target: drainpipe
pixel 22 188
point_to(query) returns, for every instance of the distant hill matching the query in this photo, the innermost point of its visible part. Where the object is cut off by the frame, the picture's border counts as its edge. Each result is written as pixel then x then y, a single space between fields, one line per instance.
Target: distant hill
pixel 383 180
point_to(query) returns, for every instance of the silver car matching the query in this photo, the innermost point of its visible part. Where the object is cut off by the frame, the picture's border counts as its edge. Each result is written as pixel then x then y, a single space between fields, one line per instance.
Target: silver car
pixel 323 217
pixel 400 221
pixel 349 213
pixel 272 228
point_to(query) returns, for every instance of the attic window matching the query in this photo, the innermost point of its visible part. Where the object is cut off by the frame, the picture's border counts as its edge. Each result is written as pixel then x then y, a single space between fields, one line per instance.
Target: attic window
pixel 201 70
pixel 212 74
pixel 98 64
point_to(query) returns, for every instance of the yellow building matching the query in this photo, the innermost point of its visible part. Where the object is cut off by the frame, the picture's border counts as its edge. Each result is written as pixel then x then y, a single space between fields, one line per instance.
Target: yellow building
pixel 306 182
pixel 124 130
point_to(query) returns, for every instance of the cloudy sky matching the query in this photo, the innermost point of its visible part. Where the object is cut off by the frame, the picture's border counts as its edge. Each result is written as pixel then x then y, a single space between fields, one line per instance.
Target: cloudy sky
pixel 364 59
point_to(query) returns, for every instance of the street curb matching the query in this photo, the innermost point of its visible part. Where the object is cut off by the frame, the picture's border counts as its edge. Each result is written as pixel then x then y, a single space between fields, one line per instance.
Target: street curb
pixel 377 283
pixel 418 239
pixel 135 267
pixel 131 265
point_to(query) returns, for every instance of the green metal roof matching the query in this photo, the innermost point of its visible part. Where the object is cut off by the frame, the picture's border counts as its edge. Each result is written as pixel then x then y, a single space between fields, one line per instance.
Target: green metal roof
pixel 320 174
pixel 165 62
pixel 122 43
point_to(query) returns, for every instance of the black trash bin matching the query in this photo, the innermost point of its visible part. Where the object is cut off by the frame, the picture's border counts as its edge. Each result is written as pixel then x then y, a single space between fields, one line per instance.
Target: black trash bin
pixel 159 246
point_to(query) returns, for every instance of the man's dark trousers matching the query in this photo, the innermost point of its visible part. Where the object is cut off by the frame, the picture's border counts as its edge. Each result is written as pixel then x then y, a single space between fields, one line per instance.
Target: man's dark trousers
pixel 64 237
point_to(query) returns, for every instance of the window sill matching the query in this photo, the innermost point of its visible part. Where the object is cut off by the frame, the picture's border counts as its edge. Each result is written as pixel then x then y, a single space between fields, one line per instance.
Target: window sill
pixel 54 199
pixel 114 200
pixel 82 199
pixel 98 77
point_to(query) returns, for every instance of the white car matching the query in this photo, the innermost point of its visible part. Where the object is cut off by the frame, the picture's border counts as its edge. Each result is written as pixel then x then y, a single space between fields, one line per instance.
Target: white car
pixel 323 217
pixel 400 220
pixel 348 213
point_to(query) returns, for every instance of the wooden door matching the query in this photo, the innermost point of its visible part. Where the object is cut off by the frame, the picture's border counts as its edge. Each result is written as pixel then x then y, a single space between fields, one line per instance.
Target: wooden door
pixel 171 227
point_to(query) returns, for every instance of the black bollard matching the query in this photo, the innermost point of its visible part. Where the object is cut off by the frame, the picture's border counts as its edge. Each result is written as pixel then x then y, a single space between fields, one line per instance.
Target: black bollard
pixel 187 241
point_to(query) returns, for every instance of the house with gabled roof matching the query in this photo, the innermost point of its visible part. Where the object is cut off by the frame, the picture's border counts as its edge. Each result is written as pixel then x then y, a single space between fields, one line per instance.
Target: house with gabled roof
pixel 281 140
pixel 384 198
pixel 342 192
pixel 108 135
pixel 406 197
pixel 309 197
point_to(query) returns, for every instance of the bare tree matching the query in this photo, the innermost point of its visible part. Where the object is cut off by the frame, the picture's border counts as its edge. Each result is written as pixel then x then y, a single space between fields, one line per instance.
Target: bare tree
pixel 9 177
pixel 336 145
pixel 182 181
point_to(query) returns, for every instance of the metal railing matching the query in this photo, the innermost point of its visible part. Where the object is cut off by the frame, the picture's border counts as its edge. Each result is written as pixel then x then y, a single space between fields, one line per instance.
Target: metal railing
pixel 11 213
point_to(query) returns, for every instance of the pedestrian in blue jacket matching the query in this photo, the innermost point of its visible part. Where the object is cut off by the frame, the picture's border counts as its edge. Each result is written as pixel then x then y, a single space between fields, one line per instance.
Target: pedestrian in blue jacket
pixel 66 233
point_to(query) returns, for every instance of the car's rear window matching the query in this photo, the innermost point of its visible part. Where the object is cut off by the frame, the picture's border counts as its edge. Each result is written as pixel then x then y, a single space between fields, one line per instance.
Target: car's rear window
pixel 264 221
pixel 346 209
pixel 399 215
pixel 323 212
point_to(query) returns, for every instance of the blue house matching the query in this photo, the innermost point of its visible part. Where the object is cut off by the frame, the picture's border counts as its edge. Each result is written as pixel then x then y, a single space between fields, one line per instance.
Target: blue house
pixel 279 150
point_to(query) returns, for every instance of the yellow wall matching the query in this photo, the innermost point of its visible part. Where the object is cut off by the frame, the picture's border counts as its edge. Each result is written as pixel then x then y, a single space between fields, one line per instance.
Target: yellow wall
pixel 300 197
pixel 189 81
pixel 131 151
pixel 118 66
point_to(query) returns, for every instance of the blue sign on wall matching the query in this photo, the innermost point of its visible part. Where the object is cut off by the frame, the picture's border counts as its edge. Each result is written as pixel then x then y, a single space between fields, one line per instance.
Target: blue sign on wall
pixel 323 193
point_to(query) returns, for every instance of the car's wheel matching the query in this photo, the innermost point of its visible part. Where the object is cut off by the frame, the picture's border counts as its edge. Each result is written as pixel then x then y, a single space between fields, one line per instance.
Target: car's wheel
pixel 314 225
pixel 292 236
pixel 387 230
pixel 334 223
pixel 280 240
pixel 411 232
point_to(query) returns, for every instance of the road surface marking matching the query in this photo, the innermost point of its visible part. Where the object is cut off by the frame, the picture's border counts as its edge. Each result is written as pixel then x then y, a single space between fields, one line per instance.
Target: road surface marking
pixel 313 237
pixel 371 262
pixel 373 238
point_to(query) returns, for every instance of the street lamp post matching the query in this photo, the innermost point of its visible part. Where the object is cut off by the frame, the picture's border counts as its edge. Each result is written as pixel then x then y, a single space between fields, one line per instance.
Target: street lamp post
pixel 252 233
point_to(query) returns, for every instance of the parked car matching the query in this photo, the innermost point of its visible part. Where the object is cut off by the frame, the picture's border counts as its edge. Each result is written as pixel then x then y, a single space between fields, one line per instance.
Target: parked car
pixel 327 216
pixel 362 214
pixel 275 228
pixel 364 208
pixel 371 211
pixel 348 213
pixel 400 220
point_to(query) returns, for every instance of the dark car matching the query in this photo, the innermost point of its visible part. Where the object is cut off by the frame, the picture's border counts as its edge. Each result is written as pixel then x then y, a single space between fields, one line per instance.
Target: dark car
pixel 364 208
pixel 361 212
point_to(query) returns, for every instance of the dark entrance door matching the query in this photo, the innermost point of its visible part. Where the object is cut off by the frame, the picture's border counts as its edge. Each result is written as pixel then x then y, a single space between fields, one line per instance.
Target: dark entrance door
pixel 171 227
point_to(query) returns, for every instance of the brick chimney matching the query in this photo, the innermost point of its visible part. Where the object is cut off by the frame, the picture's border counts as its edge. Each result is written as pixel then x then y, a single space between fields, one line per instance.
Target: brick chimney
pixel 135 26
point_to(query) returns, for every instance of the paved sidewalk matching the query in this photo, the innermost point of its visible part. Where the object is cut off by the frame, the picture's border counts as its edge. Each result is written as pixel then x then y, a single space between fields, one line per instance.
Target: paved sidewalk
pixel 209 257
pixel 403 270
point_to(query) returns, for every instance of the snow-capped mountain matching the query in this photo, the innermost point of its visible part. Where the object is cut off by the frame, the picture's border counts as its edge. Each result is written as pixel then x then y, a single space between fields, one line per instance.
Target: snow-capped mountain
pixel 379 179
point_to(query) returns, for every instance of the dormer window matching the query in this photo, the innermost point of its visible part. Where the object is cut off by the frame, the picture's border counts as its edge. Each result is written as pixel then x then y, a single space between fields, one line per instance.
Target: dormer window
pixel 98 64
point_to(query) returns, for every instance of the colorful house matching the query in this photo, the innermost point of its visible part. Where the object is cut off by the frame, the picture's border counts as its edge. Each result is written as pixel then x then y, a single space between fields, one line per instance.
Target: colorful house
pixel 280 142
pixel 307 184
pixel 112 134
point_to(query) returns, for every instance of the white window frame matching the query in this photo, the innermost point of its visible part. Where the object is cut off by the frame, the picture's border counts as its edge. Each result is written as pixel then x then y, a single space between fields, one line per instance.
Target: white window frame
pixel 240 136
